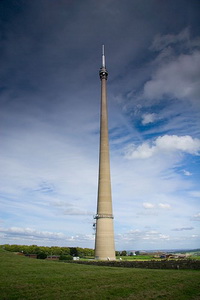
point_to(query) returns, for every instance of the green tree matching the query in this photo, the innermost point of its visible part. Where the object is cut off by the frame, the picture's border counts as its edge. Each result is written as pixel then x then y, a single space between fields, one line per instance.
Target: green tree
pixel 81 252
pixel 73 251
pixel 65 251
pixel 25 249
pixel 41 255
pixel 34 249
pixel 65 257
pixel 88 252
pixel 56 250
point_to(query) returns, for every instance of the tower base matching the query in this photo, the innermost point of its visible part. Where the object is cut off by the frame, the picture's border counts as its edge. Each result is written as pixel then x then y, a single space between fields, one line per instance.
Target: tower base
pixel 104 245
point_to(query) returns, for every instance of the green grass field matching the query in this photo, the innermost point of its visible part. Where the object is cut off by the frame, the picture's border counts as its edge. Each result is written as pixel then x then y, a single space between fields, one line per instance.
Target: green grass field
pixel 26 278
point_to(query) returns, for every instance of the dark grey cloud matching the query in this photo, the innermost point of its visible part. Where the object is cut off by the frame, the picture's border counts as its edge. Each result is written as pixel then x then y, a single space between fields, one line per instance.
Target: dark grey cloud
pixel 53 44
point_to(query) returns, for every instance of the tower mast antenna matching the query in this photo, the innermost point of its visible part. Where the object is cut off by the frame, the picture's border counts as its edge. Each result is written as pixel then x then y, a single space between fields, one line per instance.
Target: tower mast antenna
pixel 103 57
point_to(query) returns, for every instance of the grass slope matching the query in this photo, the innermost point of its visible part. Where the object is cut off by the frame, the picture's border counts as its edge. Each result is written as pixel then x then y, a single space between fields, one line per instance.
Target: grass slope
pixel 25 278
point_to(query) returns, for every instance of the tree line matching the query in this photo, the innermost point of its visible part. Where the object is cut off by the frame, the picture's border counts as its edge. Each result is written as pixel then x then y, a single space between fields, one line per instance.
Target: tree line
pixel 63 252
pixel 43 251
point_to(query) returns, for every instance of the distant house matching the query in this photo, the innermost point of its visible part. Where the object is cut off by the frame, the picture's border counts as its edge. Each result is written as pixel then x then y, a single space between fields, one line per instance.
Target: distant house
pixel 182 256
pixel 76 258
pixel 171 256
pixel 130 252
pixel 31 255
pixel 53 257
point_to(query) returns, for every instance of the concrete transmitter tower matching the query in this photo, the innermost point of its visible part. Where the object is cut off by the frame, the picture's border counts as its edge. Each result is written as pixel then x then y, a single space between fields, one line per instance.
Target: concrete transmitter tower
pixel 104 240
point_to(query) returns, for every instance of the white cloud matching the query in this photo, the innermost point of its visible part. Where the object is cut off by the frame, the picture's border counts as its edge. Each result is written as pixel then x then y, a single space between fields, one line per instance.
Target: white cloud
pixel 195 194
pixel 196 217
pixel 183 229
pixel 29 235
pixel 148 205
pixel 143 151
pixel 164 236
pixel 148 118
pixel 164 205
pixel 77 212
pixel 183 143
pixel 179 77
pixel 142 235
pixel 164 144
pixel 195 236
pixel 187 173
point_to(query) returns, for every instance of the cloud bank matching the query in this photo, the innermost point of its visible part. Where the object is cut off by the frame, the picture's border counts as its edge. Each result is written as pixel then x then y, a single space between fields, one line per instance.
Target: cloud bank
pixel 163 145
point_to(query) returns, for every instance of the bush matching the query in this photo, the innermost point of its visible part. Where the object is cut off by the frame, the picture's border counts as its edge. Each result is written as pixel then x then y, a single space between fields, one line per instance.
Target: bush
pixel 65 257
pixel 41 255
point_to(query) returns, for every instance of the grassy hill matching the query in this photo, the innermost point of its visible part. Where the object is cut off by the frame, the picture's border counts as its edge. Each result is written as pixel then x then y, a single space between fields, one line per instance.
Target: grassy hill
pixel 26 278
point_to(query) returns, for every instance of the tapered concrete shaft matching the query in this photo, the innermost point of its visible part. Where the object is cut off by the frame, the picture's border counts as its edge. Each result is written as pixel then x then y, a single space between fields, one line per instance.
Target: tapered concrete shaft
pixel 104 240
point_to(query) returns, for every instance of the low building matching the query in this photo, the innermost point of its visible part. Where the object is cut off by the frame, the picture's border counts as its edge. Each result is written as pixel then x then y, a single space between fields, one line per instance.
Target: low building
pixel 53 257
pixel 31 255
pixel 76 258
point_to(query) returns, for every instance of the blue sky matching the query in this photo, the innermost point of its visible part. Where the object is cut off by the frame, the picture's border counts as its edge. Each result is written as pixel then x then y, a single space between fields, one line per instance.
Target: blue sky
pixel 49 120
